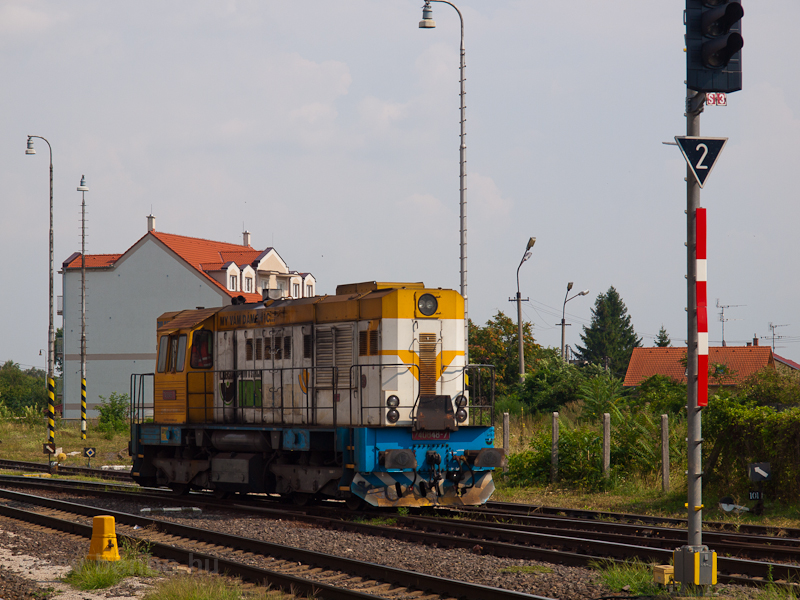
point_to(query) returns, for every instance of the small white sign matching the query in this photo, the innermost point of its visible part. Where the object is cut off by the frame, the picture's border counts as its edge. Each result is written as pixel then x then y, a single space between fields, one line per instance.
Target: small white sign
pixel 716 99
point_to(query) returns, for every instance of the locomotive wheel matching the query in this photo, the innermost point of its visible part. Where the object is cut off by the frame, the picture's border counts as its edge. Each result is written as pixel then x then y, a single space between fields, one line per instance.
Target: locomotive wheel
pixel 354 502
pixel 180 489
pixel 301 498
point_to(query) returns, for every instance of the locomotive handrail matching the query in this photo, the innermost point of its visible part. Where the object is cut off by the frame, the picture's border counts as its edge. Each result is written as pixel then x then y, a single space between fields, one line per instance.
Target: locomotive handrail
pixel 270 379
pixel 381 366
pixel 137 406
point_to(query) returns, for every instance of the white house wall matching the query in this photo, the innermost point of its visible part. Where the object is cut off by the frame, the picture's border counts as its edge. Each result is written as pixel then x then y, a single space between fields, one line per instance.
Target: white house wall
pixel 122 306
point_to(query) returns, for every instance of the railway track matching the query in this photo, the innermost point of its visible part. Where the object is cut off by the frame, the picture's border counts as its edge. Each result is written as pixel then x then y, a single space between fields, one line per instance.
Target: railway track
pixel 301 571
pixel 561 540
pixel 18 465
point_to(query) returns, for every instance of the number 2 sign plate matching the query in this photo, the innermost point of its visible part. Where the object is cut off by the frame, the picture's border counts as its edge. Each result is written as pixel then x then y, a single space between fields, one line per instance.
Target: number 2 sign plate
pixel 701 154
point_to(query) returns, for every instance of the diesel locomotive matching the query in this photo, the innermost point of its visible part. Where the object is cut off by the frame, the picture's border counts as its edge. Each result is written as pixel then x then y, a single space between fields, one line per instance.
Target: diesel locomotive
pixel 363 395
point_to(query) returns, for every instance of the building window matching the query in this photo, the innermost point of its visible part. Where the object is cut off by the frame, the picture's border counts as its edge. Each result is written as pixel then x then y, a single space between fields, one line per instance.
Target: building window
pixel 234 281
pixel 248 284
pixel 309 291
pixel 295 290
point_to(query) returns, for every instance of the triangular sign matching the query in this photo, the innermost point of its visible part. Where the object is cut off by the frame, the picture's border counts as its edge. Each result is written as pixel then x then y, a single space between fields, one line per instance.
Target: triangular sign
pixel 701 154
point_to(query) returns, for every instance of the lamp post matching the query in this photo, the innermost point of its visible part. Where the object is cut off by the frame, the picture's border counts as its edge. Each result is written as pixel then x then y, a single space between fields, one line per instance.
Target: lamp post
pixel 83 189
pixel 427 22
pixel 564 312
pixel 525 257
pixel 51 384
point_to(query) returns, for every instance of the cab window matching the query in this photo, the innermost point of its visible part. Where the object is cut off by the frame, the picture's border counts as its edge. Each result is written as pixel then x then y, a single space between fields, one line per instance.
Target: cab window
pixel 171 353
pixel 202 346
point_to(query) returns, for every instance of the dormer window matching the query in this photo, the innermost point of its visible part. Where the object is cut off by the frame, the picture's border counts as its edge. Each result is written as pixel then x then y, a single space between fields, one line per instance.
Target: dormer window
pixel 233 283
pixel 248 284
pixel 309 291
pixel 295 290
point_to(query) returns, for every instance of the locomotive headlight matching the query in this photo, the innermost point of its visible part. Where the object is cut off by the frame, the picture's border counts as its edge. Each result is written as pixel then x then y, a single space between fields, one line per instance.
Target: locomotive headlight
pixel 393 401
pixel 393 416
pixel 427 304
pixel 461 415
pixel 461 401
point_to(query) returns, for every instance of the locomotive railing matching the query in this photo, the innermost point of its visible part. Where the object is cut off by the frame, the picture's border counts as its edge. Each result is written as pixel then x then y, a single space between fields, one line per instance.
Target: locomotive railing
pixel 139 396
pixel 480 395
pixel 290 395
pixel 260 396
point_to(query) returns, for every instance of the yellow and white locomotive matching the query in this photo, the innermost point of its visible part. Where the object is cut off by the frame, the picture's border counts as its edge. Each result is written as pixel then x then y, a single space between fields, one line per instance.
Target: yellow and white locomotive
pixel 362 396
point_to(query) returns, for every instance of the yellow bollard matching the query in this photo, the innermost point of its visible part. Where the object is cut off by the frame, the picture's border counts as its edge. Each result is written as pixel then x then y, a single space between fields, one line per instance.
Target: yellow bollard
pixel 104 540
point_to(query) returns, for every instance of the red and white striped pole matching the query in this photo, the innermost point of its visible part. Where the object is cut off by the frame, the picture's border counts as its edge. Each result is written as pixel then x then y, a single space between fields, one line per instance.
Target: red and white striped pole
pixel 702 308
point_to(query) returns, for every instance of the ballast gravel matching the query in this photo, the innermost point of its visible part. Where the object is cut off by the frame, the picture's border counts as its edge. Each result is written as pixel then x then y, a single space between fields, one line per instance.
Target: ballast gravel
pixel 532 577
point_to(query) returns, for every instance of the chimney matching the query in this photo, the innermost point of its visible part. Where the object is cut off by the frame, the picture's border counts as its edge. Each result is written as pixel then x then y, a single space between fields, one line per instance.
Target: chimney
pixel 755 340
pixel 151 223
pixel 245 238
pixel 749 344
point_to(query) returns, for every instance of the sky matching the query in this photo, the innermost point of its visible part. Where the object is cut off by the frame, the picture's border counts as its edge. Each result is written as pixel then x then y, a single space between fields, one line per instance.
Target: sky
pixel 329 130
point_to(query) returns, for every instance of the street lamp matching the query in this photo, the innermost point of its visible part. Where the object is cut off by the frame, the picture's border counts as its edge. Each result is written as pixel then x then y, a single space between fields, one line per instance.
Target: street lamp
pixel 82 188
pixel 525 257
pixel 564 312
pixel 428 23
pixel 51 338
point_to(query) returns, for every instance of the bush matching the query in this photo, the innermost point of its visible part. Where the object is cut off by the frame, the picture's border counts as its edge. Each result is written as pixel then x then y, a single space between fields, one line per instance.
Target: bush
pixel 742 432
pixel 114 412
pixel 510 405
pixel 551 383
pixel 662 395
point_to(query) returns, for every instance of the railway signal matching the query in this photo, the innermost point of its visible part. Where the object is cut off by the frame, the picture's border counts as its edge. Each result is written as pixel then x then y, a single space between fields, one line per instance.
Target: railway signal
pixel 713 45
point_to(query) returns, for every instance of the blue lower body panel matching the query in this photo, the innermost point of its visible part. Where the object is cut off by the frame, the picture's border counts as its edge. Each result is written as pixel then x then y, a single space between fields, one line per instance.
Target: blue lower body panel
pixel 400 467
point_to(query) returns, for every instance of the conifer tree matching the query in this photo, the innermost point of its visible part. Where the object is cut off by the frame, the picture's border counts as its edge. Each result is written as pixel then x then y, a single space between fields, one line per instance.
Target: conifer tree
pixel 662 340
pixel 610 339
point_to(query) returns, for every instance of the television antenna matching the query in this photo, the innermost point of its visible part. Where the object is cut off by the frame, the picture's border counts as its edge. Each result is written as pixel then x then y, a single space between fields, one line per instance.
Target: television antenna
pixel 722 318
pixel 774 337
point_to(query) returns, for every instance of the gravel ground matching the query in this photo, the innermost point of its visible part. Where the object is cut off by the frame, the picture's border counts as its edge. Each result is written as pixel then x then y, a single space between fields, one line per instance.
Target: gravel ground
pixel 554 581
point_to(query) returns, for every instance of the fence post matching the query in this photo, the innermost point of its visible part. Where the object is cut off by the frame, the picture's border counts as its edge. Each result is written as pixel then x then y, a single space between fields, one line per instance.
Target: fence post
pixel 554 450
pixel 665 453
pixel 606 444
pixel 506 438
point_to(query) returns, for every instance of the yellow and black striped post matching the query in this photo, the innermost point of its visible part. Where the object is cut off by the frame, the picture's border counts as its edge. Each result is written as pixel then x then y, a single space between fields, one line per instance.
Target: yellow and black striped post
pixel 83 409
pixel 51 410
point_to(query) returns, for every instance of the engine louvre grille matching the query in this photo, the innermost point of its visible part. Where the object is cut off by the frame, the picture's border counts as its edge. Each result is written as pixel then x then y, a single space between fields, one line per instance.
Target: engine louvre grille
pixel 427 364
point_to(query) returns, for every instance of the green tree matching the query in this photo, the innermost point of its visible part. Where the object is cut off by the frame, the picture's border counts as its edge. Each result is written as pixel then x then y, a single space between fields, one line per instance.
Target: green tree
pixel 497 343
pixel 19 388
pixel 663 341
pixel 551 383
pixel 610 336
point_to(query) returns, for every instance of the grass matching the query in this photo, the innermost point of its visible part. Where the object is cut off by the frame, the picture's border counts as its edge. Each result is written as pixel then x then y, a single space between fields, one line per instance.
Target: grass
pixel 635 495
pixel 635 578
pixel 207 587
pixel 22 441
pixel 100 574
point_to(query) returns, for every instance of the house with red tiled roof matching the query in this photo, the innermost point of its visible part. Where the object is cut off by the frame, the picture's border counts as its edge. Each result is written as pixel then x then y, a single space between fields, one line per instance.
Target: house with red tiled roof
pixel 727 365
pixel 126 293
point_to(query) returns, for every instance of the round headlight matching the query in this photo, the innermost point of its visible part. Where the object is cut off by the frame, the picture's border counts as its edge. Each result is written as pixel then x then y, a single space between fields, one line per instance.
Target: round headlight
pixel 393 416
pixel 427 304
pixel 461 401
pixel 393 401
pixel 461 415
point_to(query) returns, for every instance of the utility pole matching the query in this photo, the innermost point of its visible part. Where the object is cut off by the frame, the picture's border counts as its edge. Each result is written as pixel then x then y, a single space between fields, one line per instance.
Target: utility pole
pixel 83 189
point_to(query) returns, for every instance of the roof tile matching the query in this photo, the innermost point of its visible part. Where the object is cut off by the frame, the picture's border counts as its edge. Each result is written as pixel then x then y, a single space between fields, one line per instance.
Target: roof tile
pixel 742 361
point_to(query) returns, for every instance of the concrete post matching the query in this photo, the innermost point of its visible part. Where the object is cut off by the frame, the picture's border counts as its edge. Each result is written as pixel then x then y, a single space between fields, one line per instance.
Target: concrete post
pixel 664 453
pixel 606 444
pixel 506 439
pixel 554 450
